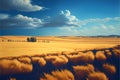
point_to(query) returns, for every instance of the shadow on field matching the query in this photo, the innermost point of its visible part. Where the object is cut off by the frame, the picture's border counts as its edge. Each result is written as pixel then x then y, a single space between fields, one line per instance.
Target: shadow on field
pixel 97 64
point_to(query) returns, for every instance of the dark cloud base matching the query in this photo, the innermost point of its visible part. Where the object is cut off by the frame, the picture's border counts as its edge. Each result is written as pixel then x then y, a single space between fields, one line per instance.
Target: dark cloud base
pixel 19 5
pixel 67 65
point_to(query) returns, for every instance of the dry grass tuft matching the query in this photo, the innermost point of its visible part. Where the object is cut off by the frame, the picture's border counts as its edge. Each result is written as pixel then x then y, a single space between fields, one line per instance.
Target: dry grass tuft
pixel 110 69
pixel 41 61
pixel 59 75
pixel 66 52
pixel 108 53
pixel 25 60
pixel 12 78
pixel 82 71
pixel 13 67
pixel 87 57
pixel 116 52
pixel 100 56
pixel 97 76
pixel 90 56
pixel 57 60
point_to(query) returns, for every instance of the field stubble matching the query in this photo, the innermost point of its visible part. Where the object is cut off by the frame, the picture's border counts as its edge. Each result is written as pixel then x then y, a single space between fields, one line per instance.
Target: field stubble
pixel 55 45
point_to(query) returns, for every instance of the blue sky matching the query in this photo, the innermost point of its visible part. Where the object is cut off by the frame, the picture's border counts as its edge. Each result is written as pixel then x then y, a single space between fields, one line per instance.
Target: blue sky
pixel 60 17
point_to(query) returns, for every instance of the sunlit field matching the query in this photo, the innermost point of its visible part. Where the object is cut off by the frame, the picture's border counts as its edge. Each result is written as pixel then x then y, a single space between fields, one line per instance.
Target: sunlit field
pixel 19 45
pixel 59 58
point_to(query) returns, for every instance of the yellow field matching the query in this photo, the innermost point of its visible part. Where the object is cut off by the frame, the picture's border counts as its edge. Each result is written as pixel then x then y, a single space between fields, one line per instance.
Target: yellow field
pixel 55 44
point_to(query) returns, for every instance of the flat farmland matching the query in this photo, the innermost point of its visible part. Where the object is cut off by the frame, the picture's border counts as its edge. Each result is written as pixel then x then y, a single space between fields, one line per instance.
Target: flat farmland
pixel 19 45
pixel 59 58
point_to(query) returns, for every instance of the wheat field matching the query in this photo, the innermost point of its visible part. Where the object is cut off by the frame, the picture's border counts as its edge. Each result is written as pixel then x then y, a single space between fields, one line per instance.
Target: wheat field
pixel 18 46
pixel 59 58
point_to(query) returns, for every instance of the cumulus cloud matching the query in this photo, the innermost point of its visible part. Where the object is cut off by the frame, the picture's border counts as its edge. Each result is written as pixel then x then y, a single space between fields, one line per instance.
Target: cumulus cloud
pixel 4 16
pixel 19 21
pixel 20 5
pixel 64 18
pixel 96 25
pixel 98 20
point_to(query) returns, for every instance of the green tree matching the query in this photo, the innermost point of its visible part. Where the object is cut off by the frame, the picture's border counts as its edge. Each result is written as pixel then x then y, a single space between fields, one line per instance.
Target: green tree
pixel 31 39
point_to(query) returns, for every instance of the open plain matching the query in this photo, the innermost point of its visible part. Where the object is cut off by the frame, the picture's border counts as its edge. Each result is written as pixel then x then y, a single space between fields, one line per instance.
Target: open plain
pixel 18 45
pixel 59 58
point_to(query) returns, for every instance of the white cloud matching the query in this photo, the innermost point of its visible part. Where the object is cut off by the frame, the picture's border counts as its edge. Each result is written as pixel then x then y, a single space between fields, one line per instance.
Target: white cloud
pixel 20 5
pixel 64 18
pixel 107 19
pixel 96 20
pixel 3 16
pixel 66 22
pixel 93 26
pixel 112 27
pixel 20 21
pixel 71 18
pixel 66 13
pixel 117 19
pixel 103 26
pixel 69 29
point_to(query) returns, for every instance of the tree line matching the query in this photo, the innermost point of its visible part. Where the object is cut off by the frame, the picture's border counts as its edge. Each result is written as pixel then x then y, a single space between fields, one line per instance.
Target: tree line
pixel 28 39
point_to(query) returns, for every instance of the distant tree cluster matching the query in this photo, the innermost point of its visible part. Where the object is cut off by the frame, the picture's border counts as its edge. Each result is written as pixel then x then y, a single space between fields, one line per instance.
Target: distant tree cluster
pixel 31 39
pixel 45 41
